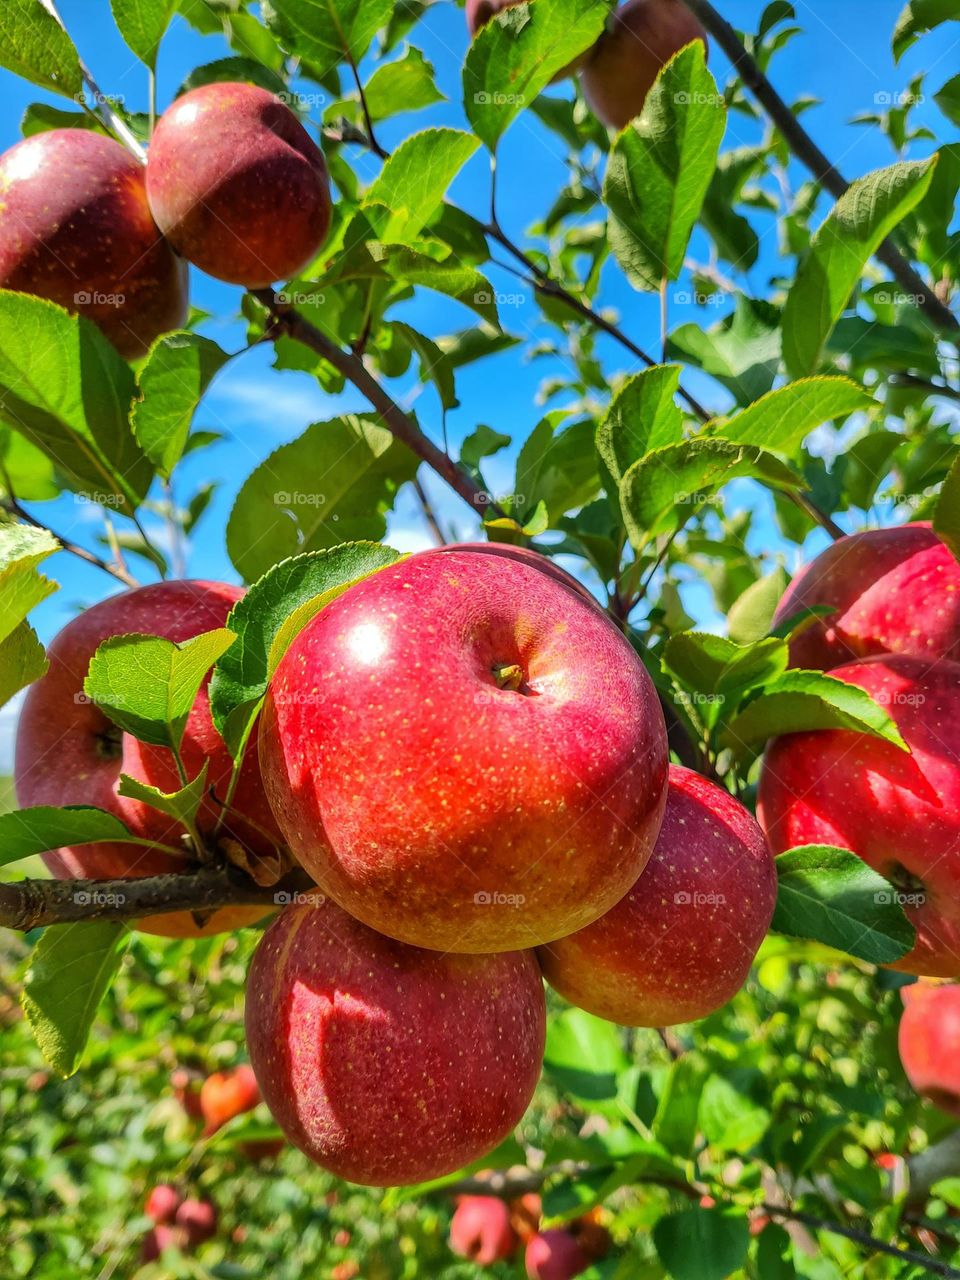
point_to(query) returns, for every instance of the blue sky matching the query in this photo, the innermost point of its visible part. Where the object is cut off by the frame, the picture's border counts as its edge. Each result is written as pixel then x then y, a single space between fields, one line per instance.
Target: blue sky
pixel 842 58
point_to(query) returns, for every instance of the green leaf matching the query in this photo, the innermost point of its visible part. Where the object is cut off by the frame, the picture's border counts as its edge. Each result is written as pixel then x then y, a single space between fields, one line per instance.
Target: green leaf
pixel 946 518
pixel 404 85
pixel 181 805
pixel 22 548
pixel 332 484
pixel 702 1244
pixel 660 168
pixel 22 660
pixel 517 53
pixel 482 442
pixel 782 419
pixel 643 415
pixel 742 351
pixel 712 664
pixel 40 117
pixel 919 17
pixel 244 70
pixel 24 832
pixel 948 99
pixel 665 488
pixel 775 1254
pixel 676 1121
pixel 71 969
pixel 584 1055
pixel 729 1118
pixel 448 276
pixel 147 684
pixel 751 615
pixel 142 24
pixel 840 250
pixel 172 381
pixel 557 468
pixel 64 387
pixel 35 46
pixel 278 605
pixel 412 182
pixel 801 701
pixel 435 365
pixel 832 896
pixel 325 33
pixel 25 472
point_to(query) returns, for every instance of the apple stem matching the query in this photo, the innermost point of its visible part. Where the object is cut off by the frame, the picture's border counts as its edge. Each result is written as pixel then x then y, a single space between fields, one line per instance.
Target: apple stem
pixel 508 675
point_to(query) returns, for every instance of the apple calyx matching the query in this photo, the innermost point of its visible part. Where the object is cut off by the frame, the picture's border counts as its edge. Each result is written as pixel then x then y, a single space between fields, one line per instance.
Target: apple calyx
pixel 509 675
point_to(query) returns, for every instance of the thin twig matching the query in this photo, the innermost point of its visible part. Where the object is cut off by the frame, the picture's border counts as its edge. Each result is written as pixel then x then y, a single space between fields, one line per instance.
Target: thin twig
pixel 810 155
pixel 426 506
pixel 13 507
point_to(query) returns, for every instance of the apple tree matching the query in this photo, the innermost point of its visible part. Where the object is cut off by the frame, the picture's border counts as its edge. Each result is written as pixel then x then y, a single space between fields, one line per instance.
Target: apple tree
pixel 661 704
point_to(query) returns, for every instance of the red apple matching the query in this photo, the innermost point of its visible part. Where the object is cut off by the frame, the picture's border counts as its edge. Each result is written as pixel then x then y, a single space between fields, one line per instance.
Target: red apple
pixel 226 1094
pixel 186 1089
pixel 76 229
pixel 554 1254
pixel 159 1238
pixel 162 1203
pixel 899 812
pixel 384 1063
pixel 526 555
pixel 930 1045
pixel 70 753
pixel 465 755
pixel 198 1218
pixel 480 1230
pixel 681 943
pixel 237 185
pixel 892 591
pixel 641 37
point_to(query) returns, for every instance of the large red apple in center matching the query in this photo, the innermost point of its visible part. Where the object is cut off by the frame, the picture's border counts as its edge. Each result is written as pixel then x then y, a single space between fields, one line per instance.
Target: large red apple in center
pixel 70 753
pixel 465 754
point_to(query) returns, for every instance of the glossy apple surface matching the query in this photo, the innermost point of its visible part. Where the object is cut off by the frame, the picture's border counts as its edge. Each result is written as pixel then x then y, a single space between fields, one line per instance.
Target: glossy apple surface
pixel 681 943
pixel 388 1064
pixel 76 229
pixel 433 799
pixel 891 590
pixel 929 1042
pixel 69 753
pixel 525 555
pixel 641 36
pixel 237 184
pixel 899 812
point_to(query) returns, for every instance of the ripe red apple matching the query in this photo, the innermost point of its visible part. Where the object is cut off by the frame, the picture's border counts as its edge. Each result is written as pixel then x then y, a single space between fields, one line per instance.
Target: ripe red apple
pixel 526 555
pixel 70 753
pixel 198 1218
pixel 900 813
pixel 162 1203
pixel 929 1042
pixel 384 1063
pixel 479 13
pixel 681 943
pixel 480 1230
pixel 226 1094
pixel 76 229
pixel 465 755
pixel 641 37
pixel 892 590
pixel 554 1254
pixel 186 1089
pixel 159 1238
pixel 237 185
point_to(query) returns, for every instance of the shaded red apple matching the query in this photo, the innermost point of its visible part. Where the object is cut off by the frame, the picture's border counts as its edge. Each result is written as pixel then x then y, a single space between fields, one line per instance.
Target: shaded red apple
pixel 681 943
pixel 929 1041
pixel 892 591
pixel 479 13
pixel 198 1218
pixel 384 1063
pixel 70 753
pixel 186 1089
pixel 480 1230
pixel 76 229
pixel 554 1254
pixel 226 1094
pixel 465 755
pixel 159 1238
pixel 641 37
pixel 899 812
pixel 162 1203
pixel 237 185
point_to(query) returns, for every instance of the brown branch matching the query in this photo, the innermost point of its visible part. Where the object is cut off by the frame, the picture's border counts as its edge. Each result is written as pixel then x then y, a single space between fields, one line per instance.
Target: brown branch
pixel 810 155
pixel 400 425
pixel 13 507
pixel 29 904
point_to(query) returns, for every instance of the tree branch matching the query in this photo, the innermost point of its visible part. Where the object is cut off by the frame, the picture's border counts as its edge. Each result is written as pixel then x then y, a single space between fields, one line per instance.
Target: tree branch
pixel 942 1160
pixel 29 904
pixel 13 507
pixel 401 426
pixel 810 155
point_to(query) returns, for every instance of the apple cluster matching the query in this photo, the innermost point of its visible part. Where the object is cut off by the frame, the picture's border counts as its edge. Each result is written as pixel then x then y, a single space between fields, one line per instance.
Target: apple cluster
pixel 487 1229
pixel 889 601
pixel 470 761
pixel 233 183
pixel 618 72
